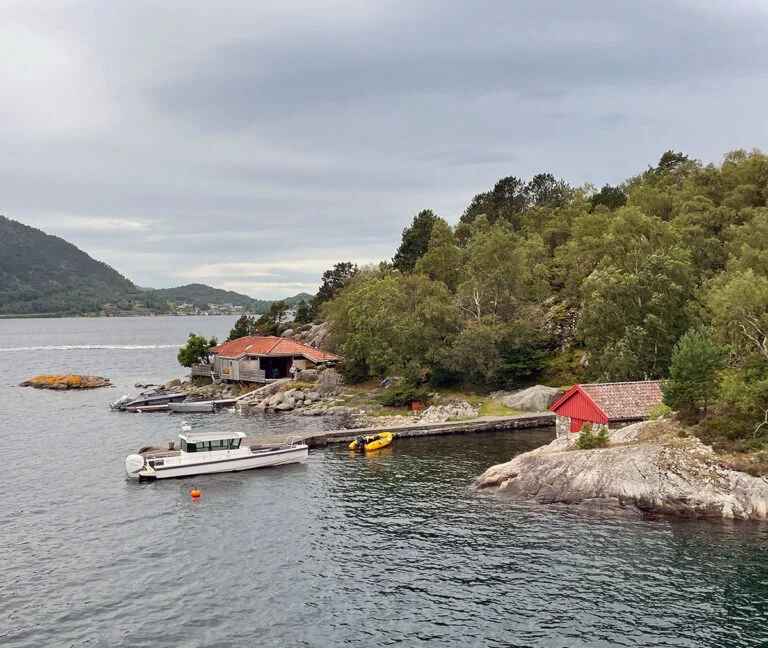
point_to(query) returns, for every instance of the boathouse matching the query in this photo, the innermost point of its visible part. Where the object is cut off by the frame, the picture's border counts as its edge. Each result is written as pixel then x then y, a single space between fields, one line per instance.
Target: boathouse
pixel 611 404
pixel 262 358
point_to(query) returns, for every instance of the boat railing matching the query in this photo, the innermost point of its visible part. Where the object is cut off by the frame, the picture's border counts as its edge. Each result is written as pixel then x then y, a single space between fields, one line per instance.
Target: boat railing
pixel 294 440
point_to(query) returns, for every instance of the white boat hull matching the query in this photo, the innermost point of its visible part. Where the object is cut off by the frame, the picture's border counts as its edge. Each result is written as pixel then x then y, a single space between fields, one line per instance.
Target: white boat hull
pixel 233 461
pixel 201 406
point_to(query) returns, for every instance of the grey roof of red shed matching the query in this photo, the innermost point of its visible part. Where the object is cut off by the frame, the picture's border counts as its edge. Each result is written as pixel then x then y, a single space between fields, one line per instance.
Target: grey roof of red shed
pixel 626 400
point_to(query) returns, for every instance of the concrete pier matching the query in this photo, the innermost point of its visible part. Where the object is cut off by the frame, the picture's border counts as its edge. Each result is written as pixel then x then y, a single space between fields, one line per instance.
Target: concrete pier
pixel 478 425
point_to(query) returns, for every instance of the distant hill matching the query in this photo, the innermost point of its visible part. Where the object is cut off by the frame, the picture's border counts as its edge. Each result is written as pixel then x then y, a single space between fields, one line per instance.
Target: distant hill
pixel 292 301
pixel 42 274
pixel 203 295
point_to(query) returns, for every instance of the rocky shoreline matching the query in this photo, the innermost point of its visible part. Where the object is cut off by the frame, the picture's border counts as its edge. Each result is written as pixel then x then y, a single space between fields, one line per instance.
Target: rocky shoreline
pixel 650 468
pixel 315 392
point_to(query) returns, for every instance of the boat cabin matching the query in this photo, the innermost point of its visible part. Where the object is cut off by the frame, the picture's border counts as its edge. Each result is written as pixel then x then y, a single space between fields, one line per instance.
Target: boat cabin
pixel 210 441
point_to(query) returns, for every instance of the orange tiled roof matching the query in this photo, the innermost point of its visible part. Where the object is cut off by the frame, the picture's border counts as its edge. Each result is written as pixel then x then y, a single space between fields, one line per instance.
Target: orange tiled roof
pixel 258 345
pixel 627 400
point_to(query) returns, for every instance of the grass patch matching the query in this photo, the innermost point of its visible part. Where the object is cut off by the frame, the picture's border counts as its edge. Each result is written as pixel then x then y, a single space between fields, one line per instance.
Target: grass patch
pixel 495 408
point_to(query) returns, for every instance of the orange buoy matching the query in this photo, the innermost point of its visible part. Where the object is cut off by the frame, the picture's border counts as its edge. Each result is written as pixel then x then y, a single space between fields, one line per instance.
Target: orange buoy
pixel 195 493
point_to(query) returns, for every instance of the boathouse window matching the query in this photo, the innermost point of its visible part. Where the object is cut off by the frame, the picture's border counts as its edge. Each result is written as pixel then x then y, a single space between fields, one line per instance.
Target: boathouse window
pixel 219 445
pixel 234 444
pixel 202 446
pixel 188 447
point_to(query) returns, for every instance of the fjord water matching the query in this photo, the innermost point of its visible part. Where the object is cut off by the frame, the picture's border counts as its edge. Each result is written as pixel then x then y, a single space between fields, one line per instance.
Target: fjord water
pixel 387 549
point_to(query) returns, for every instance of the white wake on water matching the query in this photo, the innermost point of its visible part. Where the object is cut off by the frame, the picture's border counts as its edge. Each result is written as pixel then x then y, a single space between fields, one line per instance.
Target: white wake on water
pixel 86 347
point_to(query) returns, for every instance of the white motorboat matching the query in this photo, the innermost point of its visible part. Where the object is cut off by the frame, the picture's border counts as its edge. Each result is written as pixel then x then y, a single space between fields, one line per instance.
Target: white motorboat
pixel 192 406
pixel 202 453
pixel 146 400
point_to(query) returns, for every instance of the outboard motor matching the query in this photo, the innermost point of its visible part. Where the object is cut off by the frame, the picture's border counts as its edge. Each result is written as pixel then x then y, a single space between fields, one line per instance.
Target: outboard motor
pixel 121 402
pixel 134 463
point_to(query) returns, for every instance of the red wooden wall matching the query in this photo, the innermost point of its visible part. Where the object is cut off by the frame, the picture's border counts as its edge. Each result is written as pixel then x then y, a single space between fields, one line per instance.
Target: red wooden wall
pixel 579 407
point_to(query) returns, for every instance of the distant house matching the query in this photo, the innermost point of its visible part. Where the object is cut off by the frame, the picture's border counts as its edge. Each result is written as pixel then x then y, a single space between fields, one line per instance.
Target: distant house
pixel 261 358
pixel 611 404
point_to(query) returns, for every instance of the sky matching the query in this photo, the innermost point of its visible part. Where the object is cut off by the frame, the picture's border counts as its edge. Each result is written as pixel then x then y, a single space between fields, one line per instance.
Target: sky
pixel 251 145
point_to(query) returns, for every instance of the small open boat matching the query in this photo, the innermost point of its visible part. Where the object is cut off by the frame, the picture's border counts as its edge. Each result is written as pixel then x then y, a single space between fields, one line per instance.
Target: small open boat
pixel 371 442
pixel 192 406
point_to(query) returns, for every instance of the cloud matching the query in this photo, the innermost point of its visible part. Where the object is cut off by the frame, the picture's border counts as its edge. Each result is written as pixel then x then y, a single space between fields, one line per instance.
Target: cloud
pixel 256 144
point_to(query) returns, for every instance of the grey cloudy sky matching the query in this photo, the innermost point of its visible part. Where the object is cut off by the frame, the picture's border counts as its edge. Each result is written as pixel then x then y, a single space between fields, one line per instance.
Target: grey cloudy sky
pixel 250 145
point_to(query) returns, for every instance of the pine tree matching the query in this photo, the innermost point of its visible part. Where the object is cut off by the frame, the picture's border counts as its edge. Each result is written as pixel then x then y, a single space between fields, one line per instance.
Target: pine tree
pixel 694 379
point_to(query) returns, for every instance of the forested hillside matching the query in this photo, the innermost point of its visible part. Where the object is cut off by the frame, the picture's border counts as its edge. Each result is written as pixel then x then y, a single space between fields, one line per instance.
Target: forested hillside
pixel 44 274
pixel 543 281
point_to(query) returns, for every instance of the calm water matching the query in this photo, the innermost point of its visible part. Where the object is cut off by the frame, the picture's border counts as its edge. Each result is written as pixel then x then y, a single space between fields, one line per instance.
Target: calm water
pixel 390 549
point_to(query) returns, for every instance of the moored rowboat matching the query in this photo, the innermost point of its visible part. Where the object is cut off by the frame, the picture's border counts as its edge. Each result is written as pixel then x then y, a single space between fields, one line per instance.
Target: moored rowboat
pixel 193 406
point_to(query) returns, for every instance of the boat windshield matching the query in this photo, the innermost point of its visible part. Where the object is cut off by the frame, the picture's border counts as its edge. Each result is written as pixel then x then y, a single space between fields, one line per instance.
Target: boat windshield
pixel 208 446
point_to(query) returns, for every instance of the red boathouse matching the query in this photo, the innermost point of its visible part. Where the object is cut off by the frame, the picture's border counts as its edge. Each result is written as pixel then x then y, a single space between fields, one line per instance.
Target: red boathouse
pixel 611 404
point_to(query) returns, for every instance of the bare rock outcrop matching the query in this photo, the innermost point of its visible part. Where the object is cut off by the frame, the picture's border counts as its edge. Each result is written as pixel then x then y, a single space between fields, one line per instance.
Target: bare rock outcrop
pixel 66 381
pixel 647 469
pixel 533 399
pixel 442 413
pixel 328 382
pixel 314 336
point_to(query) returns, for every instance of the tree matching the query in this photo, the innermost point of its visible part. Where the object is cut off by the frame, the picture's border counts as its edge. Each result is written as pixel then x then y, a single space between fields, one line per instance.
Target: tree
pixel 611 197
pixel 415 241
pixel 509 200
pixel 269 323
pixel 739 306
pixel 475 353
pixel 442 260
pixel 545 190
pixel 481 204
pixel 303 314
pixel 334 280
pixel 382 321
pixel 366 326
pixel 196 350
pixel 693 372
pixel 634 311
pixel 244 326
pixel 500 270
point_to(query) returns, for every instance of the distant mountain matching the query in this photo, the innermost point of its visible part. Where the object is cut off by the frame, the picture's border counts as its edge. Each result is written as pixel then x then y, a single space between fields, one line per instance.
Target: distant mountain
pixel 203 295
pixel 42 274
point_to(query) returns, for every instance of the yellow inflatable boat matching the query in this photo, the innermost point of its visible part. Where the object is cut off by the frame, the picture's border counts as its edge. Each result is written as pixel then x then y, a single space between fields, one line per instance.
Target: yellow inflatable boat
pixel 371 442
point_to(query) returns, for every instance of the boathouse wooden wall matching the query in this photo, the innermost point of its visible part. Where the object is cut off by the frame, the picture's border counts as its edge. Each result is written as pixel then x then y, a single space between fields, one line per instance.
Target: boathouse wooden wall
pixel 578 407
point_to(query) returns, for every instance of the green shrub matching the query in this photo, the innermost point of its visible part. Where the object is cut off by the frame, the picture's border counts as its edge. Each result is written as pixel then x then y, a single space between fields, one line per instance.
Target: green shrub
pixel 588 441
pixel 403 394
pixel 657 411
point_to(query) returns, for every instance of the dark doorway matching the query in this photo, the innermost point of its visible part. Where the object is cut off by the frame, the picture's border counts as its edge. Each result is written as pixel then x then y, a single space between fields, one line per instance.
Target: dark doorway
pixel 276 367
